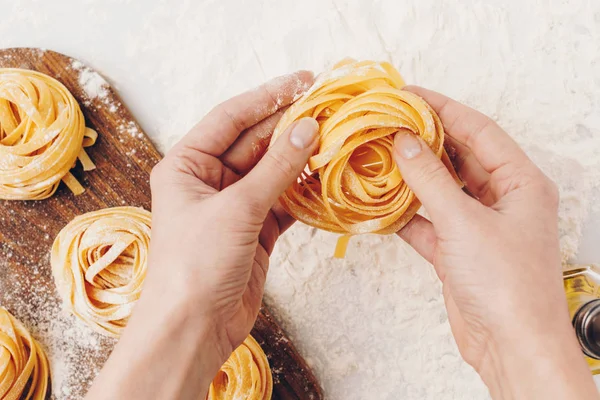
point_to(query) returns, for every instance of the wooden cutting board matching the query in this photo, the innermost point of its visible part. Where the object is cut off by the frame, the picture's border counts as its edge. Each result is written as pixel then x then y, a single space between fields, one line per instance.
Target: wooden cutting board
pixel 124 157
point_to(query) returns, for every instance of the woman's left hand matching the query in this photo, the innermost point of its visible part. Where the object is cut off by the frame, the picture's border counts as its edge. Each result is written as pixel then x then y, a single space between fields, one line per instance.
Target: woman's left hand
pixel 215 220
pixel 215 206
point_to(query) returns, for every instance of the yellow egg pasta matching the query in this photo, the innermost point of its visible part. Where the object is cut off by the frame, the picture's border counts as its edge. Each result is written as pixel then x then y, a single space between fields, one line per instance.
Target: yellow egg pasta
pixel 99 262
pixel 352 185
pixel 42 134
pixel 245 375
pixel 24 368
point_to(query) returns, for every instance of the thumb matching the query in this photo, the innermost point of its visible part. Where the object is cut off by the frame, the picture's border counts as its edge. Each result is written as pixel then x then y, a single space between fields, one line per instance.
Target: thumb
pixel 427 177
pixel 281 165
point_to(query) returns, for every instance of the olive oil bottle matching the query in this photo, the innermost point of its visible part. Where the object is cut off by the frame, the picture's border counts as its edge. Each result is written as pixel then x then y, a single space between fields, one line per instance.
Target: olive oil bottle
pixel 582 287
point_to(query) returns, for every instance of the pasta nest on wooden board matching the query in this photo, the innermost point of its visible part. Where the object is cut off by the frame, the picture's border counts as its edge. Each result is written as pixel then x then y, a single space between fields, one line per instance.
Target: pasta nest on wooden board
pixel 245 375
pixel 42 134
pixel 24 368
pixel 99 263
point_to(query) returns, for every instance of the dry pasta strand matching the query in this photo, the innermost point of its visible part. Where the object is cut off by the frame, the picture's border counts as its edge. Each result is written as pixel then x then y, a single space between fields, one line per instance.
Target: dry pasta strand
pixel 42 134
pixel 23 362
pixel 245 375
pixel 352 185
pixel 99 263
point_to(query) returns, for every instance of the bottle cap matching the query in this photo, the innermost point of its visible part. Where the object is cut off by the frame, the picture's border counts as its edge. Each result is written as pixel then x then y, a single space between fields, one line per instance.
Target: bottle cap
pixel 587 328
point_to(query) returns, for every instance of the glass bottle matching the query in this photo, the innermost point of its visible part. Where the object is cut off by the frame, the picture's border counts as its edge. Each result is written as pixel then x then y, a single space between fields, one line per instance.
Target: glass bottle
pixel 582 287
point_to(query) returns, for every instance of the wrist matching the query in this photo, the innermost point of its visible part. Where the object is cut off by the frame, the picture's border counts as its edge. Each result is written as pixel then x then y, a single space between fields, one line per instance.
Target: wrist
pixel 168 334
pixel 180 314
pixel 546 364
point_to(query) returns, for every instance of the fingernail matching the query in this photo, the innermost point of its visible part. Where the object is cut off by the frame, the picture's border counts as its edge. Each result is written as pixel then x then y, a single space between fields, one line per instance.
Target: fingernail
pixel 408 146
pixel 304 133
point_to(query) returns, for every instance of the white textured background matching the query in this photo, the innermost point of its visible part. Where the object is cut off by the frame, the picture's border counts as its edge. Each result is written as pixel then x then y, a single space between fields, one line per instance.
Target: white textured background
pixel 372 326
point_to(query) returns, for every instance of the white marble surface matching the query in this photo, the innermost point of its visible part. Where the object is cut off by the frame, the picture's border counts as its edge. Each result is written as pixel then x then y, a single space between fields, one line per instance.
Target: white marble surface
pixel 374 323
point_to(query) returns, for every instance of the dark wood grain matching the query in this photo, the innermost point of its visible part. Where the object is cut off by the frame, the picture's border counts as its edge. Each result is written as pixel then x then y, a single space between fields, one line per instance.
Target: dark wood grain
pixel 124 157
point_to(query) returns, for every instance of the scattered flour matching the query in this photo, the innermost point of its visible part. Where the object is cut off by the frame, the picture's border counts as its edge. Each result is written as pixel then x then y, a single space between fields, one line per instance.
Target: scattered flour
pixel 374 322
pixel 75 352
pixel 92 83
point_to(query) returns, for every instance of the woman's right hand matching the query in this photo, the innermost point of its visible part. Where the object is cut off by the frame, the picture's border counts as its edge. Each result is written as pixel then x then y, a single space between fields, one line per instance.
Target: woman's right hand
pixel 497 255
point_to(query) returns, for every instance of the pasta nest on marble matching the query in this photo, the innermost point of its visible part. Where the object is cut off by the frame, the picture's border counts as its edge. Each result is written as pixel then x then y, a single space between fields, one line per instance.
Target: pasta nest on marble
pixel 352 184
pixel 42 134
pixel 24 368
pixel 245 375
pixel 99 263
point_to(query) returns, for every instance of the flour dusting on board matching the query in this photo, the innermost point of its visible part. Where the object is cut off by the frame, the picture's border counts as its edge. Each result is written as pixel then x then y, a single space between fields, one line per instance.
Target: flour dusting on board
pixel 74 350
pixel 92 83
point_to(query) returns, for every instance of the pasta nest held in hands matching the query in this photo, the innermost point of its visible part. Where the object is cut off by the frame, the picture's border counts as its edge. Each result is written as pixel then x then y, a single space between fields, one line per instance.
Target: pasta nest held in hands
pixel 99 262
pixel 24 368
pixel 42 133
pixel 353 185
pixel 245 375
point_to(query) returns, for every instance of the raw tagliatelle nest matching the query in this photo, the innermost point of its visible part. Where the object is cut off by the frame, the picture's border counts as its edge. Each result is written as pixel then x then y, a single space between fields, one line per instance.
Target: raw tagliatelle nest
pixel 42 134
pixel 24 367
pixel 352 185
pixel 245 375
pixel 99 263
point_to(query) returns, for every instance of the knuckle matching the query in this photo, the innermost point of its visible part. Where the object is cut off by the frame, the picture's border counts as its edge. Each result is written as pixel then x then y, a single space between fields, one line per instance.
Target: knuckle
pixel 271 98
pixel 252 205
pixel 157 174
pixel 551 192
pixel 484 124
pixel 192 162
pixel 545 189
pixel 433 171
pixel 182 160
pixel 224 111
pixel 278 163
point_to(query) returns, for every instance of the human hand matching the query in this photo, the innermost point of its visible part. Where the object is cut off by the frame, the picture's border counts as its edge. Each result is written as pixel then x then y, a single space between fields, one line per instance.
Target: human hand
pixel 215 220
pixel 215 212
pixel 497 255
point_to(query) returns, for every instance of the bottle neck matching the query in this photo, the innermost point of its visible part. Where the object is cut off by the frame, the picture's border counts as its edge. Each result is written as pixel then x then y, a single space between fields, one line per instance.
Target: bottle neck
pixel 587 328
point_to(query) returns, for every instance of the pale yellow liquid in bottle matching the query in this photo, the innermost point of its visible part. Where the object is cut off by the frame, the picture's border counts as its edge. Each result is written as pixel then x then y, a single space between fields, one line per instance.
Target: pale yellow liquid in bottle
pixel 582 284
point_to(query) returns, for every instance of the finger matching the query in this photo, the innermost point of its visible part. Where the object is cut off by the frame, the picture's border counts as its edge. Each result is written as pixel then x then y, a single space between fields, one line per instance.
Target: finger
pixel 490 144
pixel 420 235
pixel 428 178
pixel 284 220
pixel 476 179
pixel 256 284
pixel 280 167
pixel 221 126
pixel 251 145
